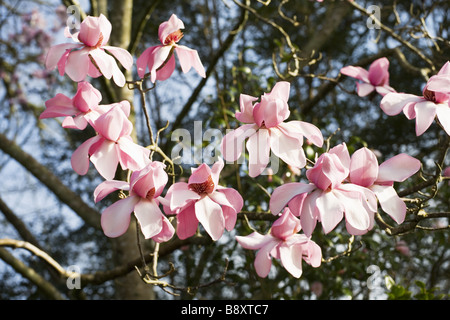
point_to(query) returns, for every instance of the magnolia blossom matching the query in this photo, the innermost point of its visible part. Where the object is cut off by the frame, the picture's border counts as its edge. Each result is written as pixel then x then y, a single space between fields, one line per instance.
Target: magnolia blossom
pixel 327 198
pixel 364 171
pixel 160 59
pixel 145 188
pixel 111 146
pixel 203 200
pixel 434 103
pixel 82 109
pixel 284 243
pixel 374 79
pixel 88 57
pixel 266 131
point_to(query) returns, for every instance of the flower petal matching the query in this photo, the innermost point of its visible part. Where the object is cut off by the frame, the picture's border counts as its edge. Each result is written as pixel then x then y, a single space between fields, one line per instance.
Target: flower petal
pixel 287 148
pixel 443 114
pixel 124 57
pixel 209 214
pixel 258 146
pixel 77 65
pixel 390 202
pixel 363 167
pixel 378 72
pixel 302 129
pixel 356 72
pixel 189 58
pixel 108 186
pixel 58 106
pixel 291 259
pixel 149 216
pixel 425 114
pixel 246 105
pixel 394 102
pixel 232 143
pixel 55 53
pixel 364 89
pixel 187 222
pixel 80 157
pixel 115 219
pixel 398 168
pixel 331 211
pixel 284 193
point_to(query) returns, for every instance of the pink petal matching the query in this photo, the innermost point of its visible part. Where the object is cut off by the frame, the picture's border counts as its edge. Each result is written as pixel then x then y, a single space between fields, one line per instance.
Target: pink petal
pixel 158 56
pixel 363 89
pixel 398 168
pixel 106 159
pixel 439 83
pixel 124 57
pixel 291 258
pixel 149 217
pixel 280 90
pixel 254 241
pixel 108 186
pixel 425 114
pixel 231 202
pixel 166 233
pixel 287 148
pixel 90 31
pixel 331 211
pixel 131 155
pixel 356 72
pixel 55 53
pixel 258 146
pixel 284 193
pixel 144 61
pixel 105 28
pixel 310 214
pixel 232 143
pixel 78 122
pixel 169 26
pixel 394 102
pixel 390 202
pixel 179 195
pixel 108 66
pixel 80 157
pixel 209 214
pixel 165 72
pixel 200 174
pixel 77 65
pixel 355 212
pixel 363 167
pixel 58 106
pixel 246 105
pixel 378 72
pixel 263 261
pixel 115 219
pixel 87 97
pixel 189 58
pixel 302 129
pixel 187 222
pixel 443 114
pixel 151 176
pixel 215 171
pixel 384 90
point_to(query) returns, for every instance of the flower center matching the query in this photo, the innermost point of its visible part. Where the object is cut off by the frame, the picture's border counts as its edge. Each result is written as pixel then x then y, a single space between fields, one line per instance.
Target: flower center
pixel 150 194
pixel 429 95
pixel 173 38
pixel 204 187
pixel 100 40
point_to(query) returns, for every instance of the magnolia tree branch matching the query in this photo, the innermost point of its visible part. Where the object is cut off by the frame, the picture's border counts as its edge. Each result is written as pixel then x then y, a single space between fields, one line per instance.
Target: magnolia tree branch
pixel 51 181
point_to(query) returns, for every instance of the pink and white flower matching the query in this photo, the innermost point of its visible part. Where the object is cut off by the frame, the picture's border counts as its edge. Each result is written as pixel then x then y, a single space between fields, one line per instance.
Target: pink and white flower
pixel 283 242
pixel 145 188
pixel 82 109
pixel 374 79
pixel 202 200
pixel 365 172
pixel 111 146
pixel 434 103
pixel 88 57
pixel 160 59
pixel 327 198
pixel 266 131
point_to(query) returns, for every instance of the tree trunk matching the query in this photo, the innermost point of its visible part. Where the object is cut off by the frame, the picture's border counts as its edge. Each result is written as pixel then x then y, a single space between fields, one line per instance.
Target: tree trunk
pixel 125 247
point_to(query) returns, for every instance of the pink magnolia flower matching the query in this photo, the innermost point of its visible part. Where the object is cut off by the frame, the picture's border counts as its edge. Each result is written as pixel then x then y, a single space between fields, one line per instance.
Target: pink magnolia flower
pixel 365 172
pixel 202 200
pixel 160 59
pixel 376 78
pixel 284 243
pixel 82 109
pixel 111 146
pixel 88 57
pixel 327 198
pixel 266 131
pixel 434 103
pixel 145 188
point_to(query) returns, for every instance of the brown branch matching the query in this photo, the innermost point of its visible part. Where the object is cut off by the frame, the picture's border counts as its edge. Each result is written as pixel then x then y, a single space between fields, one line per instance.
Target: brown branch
pixel 52 182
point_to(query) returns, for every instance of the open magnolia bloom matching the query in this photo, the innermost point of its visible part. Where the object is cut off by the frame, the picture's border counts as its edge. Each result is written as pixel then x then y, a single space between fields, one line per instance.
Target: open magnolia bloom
pixel 266 131
pixel 374 79
pixel 111 146
pixel 327 198
pixel 88 57
pixel 160 60
pixel 364 171
pixel 435 102
pixel 203 200
pixel 283 242
pixel 82 109
pixel 145 188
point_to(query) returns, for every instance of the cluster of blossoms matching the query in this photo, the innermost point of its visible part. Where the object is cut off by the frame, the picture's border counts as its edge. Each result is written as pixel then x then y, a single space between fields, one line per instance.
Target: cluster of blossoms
pixel 340 185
